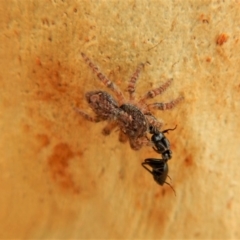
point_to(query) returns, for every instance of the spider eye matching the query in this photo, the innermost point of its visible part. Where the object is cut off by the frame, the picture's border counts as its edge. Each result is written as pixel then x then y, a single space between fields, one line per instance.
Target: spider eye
pixel 94 98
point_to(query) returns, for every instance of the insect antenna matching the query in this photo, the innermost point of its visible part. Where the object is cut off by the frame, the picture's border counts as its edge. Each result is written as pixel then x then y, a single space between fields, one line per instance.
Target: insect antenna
pixel 169 177
pixel 171 188
pixel 170 129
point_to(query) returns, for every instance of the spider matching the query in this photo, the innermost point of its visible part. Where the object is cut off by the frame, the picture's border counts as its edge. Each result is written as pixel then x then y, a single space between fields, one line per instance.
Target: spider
pixel 133 118
pixel 159 166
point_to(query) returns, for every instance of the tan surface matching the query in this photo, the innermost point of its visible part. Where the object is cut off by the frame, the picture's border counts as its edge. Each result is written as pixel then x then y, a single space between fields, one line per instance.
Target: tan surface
pixel 60 178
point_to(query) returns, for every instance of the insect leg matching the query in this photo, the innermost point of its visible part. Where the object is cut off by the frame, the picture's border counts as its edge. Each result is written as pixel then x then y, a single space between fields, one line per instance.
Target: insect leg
pixel 143 164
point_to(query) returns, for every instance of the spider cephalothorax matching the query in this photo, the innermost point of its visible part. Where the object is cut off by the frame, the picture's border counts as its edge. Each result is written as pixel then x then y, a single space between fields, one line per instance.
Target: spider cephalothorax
pixel 133 118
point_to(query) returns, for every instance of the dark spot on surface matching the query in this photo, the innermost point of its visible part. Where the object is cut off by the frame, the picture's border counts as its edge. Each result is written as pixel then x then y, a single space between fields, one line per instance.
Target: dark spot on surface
pixel 59 163
pixel 204 18
pixel 229 204
pixel 163 191
pixel 102 172
pixel 159 194
pixel 221 39
pixel 51 79
pixel 188 161
pixel 45 21
pixel 208 59
pixel 121 173
pixel 43 139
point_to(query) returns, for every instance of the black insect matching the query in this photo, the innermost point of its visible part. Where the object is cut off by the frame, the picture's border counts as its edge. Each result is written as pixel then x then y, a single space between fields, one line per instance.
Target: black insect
pixel 159 166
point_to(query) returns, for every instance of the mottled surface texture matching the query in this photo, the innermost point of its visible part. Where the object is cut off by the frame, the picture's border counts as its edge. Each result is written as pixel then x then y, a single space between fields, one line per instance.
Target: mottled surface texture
pixel 60 177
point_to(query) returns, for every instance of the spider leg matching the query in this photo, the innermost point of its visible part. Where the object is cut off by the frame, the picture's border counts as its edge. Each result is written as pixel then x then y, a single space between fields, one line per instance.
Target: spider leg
pixel 150 143
pixel 133 80
pixel 166 106
pixel 110 126
pixel 108 83
pixel 136 144
pixel 152 121
pixel 156 91
pixel 87 116
pixel 122 137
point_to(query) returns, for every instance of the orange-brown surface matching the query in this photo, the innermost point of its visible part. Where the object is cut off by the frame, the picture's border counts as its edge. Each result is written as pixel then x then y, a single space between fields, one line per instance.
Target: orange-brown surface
pixel 60 177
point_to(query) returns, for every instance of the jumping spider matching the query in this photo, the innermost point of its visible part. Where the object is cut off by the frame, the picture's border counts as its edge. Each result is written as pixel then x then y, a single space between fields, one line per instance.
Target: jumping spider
pixel 133 118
